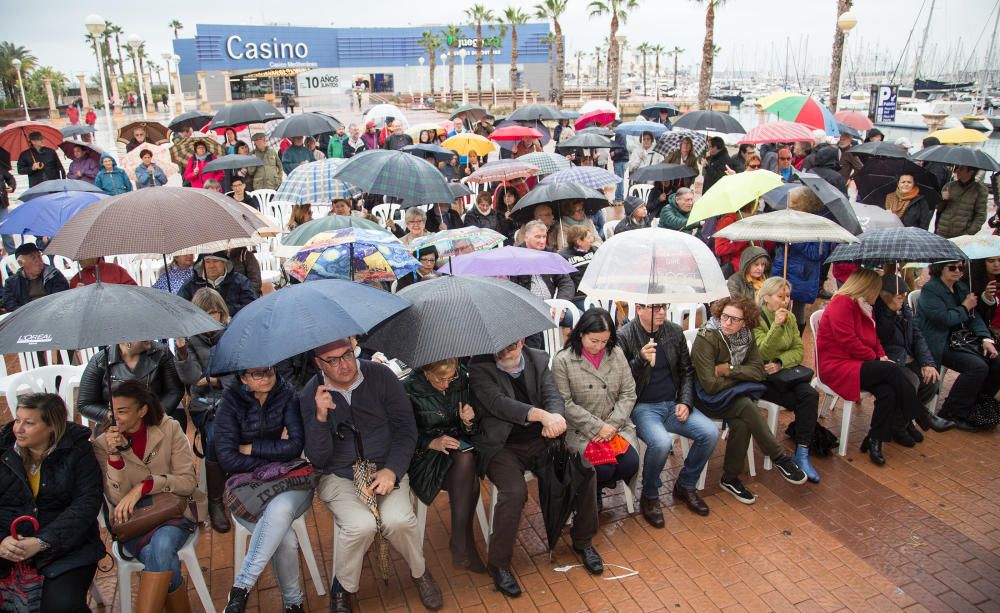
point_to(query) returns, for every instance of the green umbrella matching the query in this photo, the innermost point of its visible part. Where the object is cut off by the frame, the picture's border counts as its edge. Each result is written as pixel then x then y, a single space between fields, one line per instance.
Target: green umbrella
pixel 733 192
pixel 301 235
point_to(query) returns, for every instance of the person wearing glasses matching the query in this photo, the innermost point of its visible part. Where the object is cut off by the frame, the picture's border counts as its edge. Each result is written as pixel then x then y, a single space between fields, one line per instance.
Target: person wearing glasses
pixel 784 167
pixel 427 257
pixel 416 223
pixel 258 422
pixel 959 339
pixel 350 393
pixel 739 161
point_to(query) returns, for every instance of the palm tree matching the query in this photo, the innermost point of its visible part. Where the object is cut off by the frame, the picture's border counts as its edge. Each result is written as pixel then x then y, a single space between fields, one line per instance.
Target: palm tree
pixel 657 51
pixel 89 38
pixel 644 48
pixel 176 26
pixel 838 56
pixel 598 54
pixel 431 42
pixel 8 74
pixel 550 41
pixel 109 61
pixel 500 31
pixel 707 53
pixel 579 71
pixel 618 11
pixel 117 31
pixel 514 17
pixel 553 9
pixel 34 85
pixel 478 14
pixel 451 33
pixel 677 51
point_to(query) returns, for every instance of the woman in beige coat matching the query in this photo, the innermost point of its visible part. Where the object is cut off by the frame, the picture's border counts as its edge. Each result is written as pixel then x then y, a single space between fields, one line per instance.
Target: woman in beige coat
pixel 158 459
pixel 595 381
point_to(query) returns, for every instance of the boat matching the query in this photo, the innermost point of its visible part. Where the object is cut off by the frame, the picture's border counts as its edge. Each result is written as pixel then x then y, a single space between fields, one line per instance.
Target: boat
pixel 977 122
pixel 995 121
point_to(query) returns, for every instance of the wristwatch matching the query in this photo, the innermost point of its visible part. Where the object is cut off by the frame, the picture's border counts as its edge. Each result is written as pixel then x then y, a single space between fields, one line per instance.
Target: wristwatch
pixel 42 545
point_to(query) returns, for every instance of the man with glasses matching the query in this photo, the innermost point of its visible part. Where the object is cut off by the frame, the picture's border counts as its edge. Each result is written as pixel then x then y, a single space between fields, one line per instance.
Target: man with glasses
pixel 784 167
pixel 664 382
pixel 367 395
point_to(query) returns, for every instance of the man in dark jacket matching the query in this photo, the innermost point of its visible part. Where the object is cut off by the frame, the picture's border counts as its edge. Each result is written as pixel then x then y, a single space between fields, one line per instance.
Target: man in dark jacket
pixel 39 162
pixel 849 162
pixel 521 408
pixel 33 280
pixel 717 163
pixel 215 270
pixel 154 366
pixel 353 144
pixel 826 164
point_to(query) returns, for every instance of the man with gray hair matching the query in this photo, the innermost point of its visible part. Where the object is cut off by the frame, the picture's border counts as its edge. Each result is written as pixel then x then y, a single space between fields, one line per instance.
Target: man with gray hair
pixel 398 139
pixel 674 215
pixel 354 144
pixel 416 223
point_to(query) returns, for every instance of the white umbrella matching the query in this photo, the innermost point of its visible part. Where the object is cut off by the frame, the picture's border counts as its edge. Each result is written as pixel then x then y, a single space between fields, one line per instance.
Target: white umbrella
pixel 161 157
pixel 380 112
pixel 598 105
pixel 873 217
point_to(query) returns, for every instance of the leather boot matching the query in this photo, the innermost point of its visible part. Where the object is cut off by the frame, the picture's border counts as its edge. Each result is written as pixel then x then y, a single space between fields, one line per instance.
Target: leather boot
pixel 177 600
pixel 152 591
pixel 215 481
pixel 930 421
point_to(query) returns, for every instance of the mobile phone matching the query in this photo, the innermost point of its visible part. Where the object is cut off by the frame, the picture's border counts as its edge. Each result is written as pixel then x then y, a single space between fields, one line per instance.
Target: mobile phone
pixel 464 446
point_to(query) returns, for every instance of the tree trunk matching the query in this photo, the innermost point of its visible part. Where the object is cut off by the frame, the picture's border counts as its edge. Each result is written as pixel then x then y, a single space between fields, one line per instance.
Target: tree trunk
pixel 645 90
pixel 560 63
pixel 656 80
pixel 707 57
pixel 613 54
pixel 597 79
pixel 431 66
pixel 552 61
pixel 838 56
pixel 479 62
pixel 675 70
pixel 513 66
pixel 493 78
pixel 121 66
pixel 451 72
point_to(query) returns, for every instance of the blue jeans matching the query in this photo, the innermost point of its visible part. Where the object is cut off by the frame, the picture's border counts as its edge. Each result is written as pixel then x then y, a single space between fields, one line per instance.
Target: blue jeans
pixel 654 423
pixel 620 189
pixel 599 221
pixel 274 540
pixel 8 239
pixel 159 555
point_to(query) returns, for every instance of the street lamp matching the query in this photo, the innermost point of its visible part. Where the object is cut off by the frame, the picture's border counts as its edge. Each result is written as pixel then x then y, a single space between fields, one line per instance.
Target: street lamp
pixel 16 63
pixel 444 58
pixel 846 22
pixel 620 39
pixel 465 94
pixel 167 57
pixel 421 61
pixel 180 86
pixel 134 42
pixel 95 25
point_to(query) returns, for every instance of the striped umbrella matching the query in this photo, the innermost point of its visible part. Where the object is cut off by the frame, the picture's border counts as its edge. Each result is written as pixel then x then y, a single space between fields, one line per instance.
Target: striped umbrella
pixel 805 110
pixel 591 176
pixel 547 163
pixel 314 183
pixel 395 174
pixel 459 241
pixel 503 170
pixel 887 245
pixel 778 132
pixel 669 142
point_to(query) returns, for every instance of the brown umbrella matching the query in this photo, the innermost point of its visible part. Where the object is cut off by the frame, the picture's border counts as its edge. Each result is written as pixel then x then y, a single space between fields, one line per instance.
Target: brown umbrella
pixel 154 220
pixel 364 473
pixel 155 132
pixel 183 149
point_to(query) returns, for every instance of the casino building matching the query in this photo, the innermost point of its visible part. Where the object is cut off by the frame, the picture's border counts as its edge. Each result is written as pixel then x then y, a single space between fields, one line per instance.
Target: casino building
pixel 233 62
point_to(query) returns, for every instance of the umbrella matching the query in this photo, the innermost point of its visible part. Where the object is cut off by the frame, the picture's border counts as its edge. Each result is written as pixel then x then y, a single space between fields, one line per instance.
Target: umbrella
pixel 586 141
pixel 879 176
pixel 244 113
pixel 709 120
pixel 89 149
pixel 514 132
pixel 300 236
pixel 547 163
pixel 854 119
pixel 535 125
pixel 192 119
pixel 502 170
pixel 636 128
pixel 887 245
pixel 548 193
pixel 843 128
pixel 354 254
pixel 599 130
pixel 509 262
pixel 300 317
pixel 654 266
pixel 156 132
pixel 459 190
pixel 598 105
pixel 978 247
pixel 875 217
pixel 566 114
pixel 467 142
pixel 78 130
pixel 456 317
pixel 833 199
pixel 769 99
pixel 804 110
pixel 958 156
pixel 161 157
pixel 777 198
pixel 590 176
pixel 232 162
pixel 561 475
pixel 45 215
pixel 381 112
pixel 778 132
pixel 671 141
pixel 183 149
pixel 21 589
pixel 537 112
pixel 953 136
pixel 731 193
pixel 315 183
pixel 879 149
pixel 449 242
pixel 305 124
pixel 55 186
pixel 440 154
pixel 14 137
pixel 469 112
pixel 662 172
pixel 395 174
pixel 652 111
pixel 364 471
pixel 154 220
pixel 600 117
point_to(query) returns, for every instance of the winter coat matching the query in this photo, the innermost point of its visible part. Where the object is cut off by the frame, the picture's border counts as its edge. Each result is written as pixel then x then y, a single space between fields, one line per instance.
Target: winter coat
pixel 490 221
pixel 84 169
pixel 940 311
pixel 155 368
pixel 294 156
pixel 245 263
pixel 900 336
pixel 579 260
pixel 671 216
pixel 710 349
pixel 191 369
pixel 193 172
pixel 732 251
pixel 15 289
pixel 350 150
pixel 234 287
pixel 6 180
pixel 451 219
pixel 114 181
pixel 964 212
pixel 845 340
pixel 241 420
pixel 715 169
pixel 827 166
pixel 917 215
pixel 691 162
pixel 641 157
pixel 270 174
pixel 782 343
pixel 168 462
pixel 110 273
pixel 630 224
pixel 68 501
pixel 335 148
pixel 53 167
pixel 149 176
pixel 738 283
pixel 850 163
pixel 632 337
pixel 805 264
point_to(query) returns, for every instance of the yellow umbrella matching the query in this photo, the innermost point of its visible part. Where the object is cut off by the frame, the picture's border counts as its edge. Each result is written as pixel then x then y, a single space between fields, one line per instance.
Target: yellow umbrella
pixel 771 98
pixel 468 142
pixel 958 136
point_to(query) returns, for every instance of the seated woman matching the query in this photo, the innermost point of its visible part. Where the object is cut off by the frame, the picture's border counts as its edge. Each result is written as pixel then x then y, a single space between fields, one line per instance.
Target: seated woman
pixel 595 380
pixel 850 358
pixel 730 375
pixel 754 264
pixel 908 204
pixel 159 459
pixel 258 422
pixel 579 253
pixel 301 213
pixel 179 272
pixel 959 340
pixel 444 459
pixel 984 275
pixel 780 346
pixel 67 545
pixel 427 257
pixel 573 214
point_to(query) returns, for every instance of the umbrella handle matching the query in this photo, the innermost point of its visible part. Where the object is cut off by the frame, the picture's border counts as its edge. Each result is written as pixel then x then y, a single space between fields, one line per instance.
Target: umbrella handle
pixel 358 445
pixel 24 518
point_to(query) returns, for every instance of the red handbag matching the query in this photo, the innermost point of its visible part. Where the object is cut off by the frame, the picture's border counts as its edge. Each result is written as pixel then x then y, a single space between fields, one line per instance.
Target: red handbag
pixel 605 452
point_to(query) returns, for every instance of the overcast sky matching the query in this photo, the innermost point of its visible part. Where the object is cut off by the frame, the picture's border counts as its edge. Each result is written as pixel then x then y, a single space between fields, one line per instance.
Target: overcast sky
pixel 749 31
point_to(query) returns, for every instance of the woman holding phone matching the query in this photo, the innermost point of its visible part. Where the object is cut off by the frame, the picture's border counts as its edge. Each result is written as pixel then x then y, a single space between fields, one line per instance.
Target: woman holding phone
pixel 983 277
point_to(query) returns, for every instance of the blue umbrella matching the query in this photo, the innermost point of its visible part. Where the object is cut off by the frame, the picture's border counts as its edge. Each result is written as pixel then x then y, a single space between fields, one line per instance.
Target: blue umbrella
pixel 55 186
pixel 46 215
pixel 299 318
pixel 421 150
pixel 637 127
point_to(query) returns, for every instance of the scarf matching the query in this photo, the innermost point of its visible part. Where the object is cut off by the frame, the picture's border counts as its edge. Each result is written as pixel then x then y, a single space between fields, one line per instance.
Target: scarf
pixel 738 344
pixel 593 358
pixel 897 202
pixel 569 221
pixel 201 158
pixel 866 308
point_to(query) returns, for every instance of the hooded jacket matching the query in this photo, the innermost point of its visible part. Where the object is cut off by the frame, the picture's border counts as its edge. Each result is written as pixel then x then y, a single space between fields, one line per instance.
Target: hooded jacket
pixel 964 212
pixel 15 290
pixel 155 368
pixel 738 283
pixel 827 165
pixel 234 287
pixel 114 181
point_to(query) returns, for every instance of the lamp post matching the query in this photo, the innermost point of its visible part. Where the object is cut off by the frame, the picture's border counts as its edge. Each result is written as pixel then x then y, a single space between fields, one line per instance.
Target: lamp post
pixel 167 57
pixel 95 25
pixel 134 42
pixel 465 94
pixel 16 63
pixel 846 21
pixel 618 81
pixel 180 86
pixel 444 92
pixel 493 85
pixel 420 60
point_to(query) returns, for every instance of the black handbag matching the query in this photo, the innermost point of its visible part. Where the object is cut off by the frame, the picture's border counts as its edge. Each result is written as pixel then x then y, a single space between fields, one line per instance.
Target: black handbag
pixel 787 378
pixel 963 339
pixel 985 414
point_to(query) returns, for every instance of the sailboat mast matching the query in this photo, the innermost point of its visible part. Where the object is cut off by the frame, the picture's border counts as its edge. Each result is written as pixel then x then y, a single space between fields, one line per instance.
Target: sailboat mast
pixel 984 82
pixel 923 45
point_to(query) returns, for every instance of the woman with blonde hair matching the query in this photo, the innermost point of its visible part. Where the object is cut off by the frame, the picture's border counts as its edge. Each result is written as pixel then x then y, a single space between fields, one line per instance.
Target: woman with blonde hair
pixel 301 213
pixel 850 358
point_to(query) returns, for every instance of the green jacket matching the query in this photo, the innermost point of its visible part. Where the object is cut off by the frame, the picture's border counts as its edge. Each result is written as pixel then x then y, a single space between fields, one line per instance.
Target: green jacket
pixel 964 212
pixel 709 349
pixel 336 147
pixel 269 175
pixel 781 343
pixel 671 217
pixel 737 282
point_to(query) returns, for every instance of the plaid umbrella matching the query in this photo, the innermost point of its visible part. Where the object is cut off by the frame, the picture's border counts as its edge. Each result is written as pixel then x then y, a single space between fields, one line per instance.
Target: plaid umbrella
pixel 671 141
pixel 887 245
pixel 354 254
pixel 395 174
pixel 315 183
pixel 547 163
pixel 590 176
pixel 503 170
pixel 459 241
pixel 21 590
pixel 709 120
pixel 183 149
pixel 364 473
pixel 155 132
pixel 958 156
pixel 14 137
pixel 161 157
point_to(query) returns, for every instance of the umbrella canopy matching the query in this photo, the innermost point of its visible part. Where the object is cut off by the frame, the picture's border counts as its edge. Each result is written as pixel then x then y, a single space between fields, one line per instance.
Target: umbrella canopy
pixel 875 217
pixel 567 114
pixel 590 176
pixel 599 130
pixel 778 132
pixel 662 172
pixel 467 142
pixel 300 236
pixel 22 585
pixel 652 111
pixel 786 226
pixel 244 113
pixel 395 174
pixel 192 119
pixel 469 112
pixel 315 183
pixel 879 149
pixel 843 128
pixel 161 157
pixel 806 111
pixel 154 220
pixel 232 161
pixel 879 176
pixel 55 186
pixel 654 266
pixel 549 193
pixel 459 190
pixel 14 137
pixel 514 132
pixel 978 247
pixel 305 124
pixel 597 117
pixel 353 254
pixel 854 119
pixel 380 113
pixel 733 192
pixel 77 130
pixel 833 199
pixel 888 245
pixel 156 132
pixel 777 198
pixel 101 314
pixel 46 215
pixel 586 141
pixel 440 154
pixel 537 112
pixel 503 170
pixel 956 136
pixel 451 243
pixel 89 149
pixel 671 141
pixel 456 317
pixel 636 128
pixel 183 149
pixel 709 120
pixel 508 262
pixel 958 156
pixel 547 163
pixel 598 105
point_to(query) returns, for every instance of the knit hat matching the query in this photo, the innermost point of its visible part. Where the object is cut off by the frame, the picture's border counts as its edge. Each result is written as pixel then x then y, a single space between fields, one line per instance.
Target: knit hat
pixel 370 124
pixel 258 136
pixel 894 284
pixel 218 255
pixel 631 204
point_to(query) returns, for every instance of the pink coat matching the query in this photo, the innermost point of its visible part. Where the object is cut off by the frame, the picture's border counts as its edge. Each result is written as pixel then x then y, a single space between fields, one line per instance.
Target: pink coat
pixel 846 339
pixel 194 176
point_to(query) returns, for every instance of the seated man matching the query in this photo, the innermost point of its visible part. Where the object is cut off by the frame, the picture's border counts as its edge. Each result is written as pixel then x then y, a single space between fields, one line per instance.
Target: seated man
pixel 521 407
pixel 215 270
pixel 33 280
pixel 348 390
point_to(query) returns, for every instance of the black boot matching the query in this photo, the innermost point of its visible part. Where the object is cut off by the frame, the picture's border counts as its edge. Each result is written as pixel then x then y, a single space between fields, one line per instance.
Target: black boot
pixel 914 433
pixel 237 600
pixel 930 421
pixel 874 449
pixel 215 480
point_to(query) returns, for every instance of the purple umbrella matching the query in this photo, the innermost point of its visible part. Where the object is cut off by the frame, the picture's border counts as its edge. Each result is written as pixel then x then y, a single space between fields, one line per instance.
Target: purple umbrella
pixel 508 262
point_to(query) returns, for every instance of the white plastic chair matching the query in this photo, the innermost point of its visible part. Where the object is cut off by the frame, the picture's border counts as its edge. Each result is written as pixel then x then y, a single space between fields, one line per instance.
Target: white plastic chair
pixel 385 211
pixel 553 336
pixel 421 511
pixel 913 299
pixel 640 190
pixel 263 196
pixel 62 379
pixel 677 312
pixel 609 228
pixel 831 397
pixel 65 265
pixel 609 306
pixel 187 555
pixel 241 536
pixel 8 266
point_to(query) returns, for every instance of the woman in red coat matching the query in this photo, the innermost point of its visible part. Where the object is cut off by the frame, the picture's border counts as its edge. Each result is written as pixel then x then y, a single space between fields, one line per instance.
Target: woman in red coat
pixel 193 171
pixel 850 358
pixel 730 251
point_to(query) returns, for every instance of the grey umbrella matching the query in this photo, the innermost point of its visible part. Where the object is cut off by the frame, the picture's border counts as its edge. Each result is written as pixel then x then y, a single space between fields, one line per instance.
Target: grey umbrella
pixel 305 124
pixel 887 245
pixel 457 317
pixel 958 156
pixel 599 130
pixel 833 199
pixel 232 162
pixel 536 112
pixel 587 141
pixel 55 186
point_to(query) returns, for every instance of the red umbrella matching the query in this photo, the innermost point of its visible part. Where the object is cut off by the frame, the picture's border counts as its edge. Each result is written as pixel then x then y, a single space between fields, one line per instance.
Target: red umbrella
pixel 600 117
pixel 854 119
pixel 778 132
pixel 14 138
pixel 514 133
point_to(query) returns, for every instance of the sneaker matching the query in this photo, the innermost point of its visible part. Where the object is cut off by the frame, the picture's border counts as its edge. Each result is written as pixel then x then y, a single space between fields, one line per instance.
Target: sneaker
pixel 789 470
pixel 737 489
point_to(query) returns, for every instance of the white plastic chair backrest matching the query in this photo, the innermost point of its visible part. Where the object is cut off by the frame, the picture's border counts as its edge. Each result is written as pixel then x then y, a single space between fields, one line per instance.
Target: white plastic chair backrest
pixel 263 196
pixel 655 223
pixel 8 266
pixel 61 262
pixel 640 191
pixel 607 305
pixel 813 327
pixel 275 212
pixel 677 312
pixel 61 379
pixel 29 361
pixel 689 336
pixel 87 354
pixel 382 212
pixel 609 228
pixel 564 305
pixel 913 300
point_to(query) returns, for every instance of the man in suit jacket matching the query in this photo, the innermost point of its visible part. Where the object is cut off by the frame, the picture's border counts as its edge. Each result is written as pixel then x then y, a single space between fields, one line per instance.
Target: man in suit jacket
pixel 521 408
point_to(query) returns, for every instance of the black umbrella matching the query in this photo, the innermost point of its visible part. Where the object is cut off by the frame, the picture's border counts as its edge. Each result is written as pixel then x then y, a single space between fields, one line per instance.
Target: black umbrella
pixel 662 172
pixel 709 120
pixel 470 112
pixel 888 245
pixel 80 130
pixel 561 475
pixel 652 111
pixel 587 141
pixel 958 156
pixel 232 162
pixel 599 130
pixel 536 112
pixel 196 120
pixel 55 186
pixel 879 176
pixel 244 113
pixel 547 193
pixel 423 149
pixel 777 198
pixel 833 199
pixel 879 149
pixel 305 124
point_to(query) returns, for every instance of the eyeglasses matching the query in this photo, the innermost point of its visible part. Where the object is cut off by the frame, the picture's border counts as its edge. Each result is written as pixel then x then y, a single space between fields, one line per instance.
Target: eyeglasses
pixel 753 166
pixel 415 222
pixel 652 307
pixel 784 157
pixel 442 380
pixel 338 360
pixel 429 259
pixel 955 268
pixel 731 318
pixel 258 375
